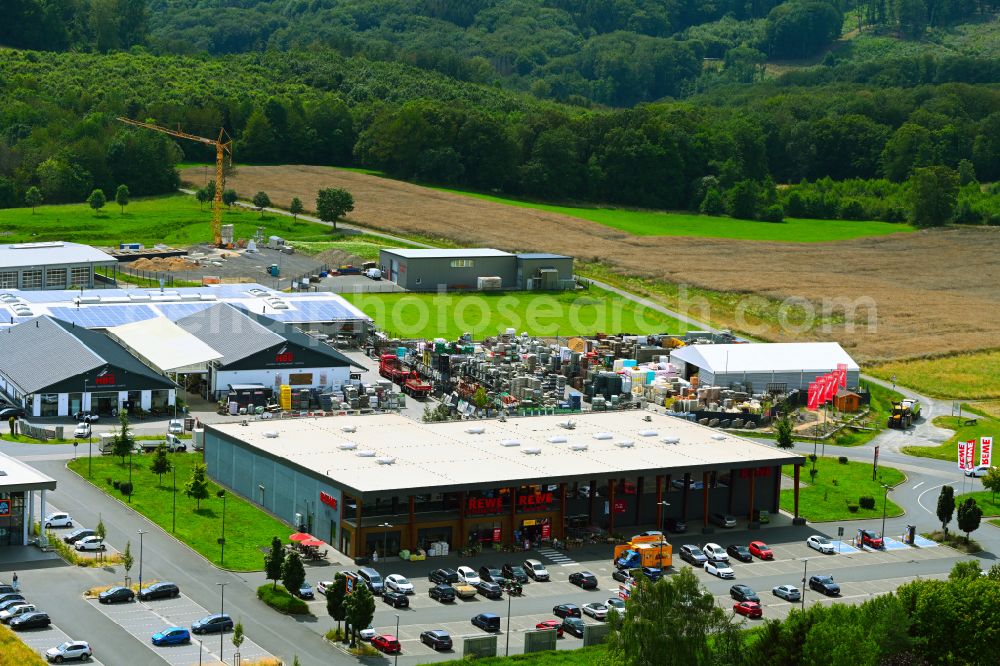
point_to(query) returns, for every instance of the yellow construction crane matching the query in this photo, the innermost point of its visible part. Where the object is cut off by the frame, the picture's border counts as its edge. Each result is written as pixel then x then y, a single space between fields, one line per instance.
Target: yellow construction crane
pixel 223 145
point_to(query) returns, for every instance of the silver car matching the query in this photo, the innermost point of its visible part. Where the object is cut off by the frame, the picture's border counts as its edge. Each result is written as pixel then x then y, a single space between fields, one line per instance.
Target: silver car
pixel 175 427
pixel 70 650
pixel 787 592
pixel 822 544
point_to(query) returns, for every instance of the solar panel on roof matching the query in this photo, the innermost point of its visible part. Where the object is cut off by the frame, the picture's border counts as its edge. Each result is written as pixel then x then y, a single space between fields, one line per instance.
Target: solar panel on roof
pixel 103 316
pixel 175 311
pixel 313 311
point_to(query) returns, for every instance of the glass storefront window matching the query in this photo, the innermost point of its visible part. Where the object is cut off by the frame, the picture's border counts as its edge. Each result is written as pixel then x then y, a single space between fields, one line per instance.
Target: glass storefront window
pixel 12 526
pixel 50 404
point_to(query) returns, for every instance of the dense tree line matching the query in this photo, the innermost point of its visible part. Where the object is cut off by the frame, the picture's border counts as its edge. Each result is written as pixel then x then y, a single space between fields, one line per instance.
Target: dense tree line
pixel 56 25
pixel 857 147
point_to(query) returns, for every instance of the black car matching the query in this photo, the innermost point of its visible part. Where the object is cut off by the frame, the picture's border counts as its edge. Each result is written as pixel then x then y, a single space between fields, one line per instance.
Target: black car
pixel 514 572
pixel 395 599
pixel 442 592
pixel 443 576
pixel 437 639
pixel 7 596
pixel 8 411
pixel 573 625
pixel 76 535
pixel 489 589
pixel 213 624
pixel 693 555
pixel 7 589
pixel 35 620
pixel 159 591
pixel 567 610
pixel 116 595
pixel 624 575
pixel 492 575
pixel 825 585
pixel 13 600
pixel 741 592
pixel 676 526
pixel 487 622
pixel 584 579
pixel 741 553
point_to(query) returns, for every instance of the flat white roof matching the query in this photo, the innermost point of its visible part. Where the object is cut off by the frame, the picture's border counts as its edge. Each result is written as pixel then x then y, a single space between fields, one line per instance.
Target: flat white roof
pixel 164 345
pixel 450 253
pixel 766 357
pixel 25 255
pixel 16 475
pixel 428 456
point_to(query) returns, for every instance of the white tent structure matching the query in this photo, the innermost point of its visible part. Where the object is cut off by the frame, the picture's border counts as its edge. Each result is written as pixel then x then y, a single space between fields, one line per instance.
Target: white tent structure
pixel 164 346
pixel 794 364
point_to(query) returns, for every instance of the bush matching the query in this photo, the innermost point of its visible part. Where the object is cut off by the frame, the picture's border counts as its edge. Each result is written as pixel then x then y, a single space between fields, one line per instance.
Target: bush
pixel 853 508
pixel 813 473
pixel 116 483
pixel 280 600
pixel 773 213
pixel 867 502
pixel 109 480
pixel 125 487
pixel 813 457
pixel 842 460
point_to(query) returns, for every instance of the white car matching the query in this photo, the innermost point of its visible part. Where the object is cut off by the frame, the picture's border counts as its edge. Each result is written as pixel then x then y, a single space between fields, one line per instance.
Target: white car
pixel 90 543
pixel 468 575
pixel 715 553
pixel 597 610
pixel 323 586
pixel 399 583
pixel 720 569
pixel 367 634
pixel 615 605
pixel 79 650
pixel 14 611
pixel 58 520
pixel 981 470
pixel 822 544
pixel 82 430
pixel 787 592
pixel 175 427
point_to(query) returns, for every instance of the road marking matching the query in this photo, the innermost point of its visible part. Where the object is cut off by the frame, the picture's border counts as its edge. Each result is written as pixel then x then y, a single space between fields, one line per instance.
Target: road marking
pixel 920 499
pixel 918 485
pixel 556 557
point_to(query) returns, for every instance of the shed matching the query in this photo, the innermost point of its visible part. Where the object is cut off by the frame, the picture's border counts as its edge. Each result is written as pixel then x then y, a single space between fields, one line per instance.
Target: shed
pixel 847 401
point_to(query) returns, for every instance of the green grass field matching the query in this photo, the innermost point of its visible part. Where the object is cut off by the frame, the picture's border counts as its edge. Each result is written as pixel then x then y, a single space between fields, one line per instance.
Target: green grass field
pixel 176 219
pixel 837 485
pixel 665 223
pixel 13 652
pixel 989 503
pixel 543 314
pixel 967 376
pixel 248 529
pixel 949 450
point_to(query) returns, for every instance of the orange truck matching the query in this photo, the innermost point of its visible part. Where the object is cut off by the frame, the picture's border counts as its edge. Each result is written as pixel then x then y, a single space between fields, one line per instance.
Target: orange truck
pixel 644 551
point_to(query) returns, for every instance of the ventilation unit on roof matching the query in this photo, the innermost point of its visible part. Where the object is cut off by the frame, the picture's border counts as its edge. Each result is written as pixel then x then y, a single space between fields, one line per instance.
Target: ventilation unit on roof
pixel 531 450
pixel 718 437
pixel 625 443
pixel 32 246
pixel 578 447
pixel 271 434
pixel 347 446
pixel 648 433
pixel 603 435
pixel 557 439
pixel 386 461
pixel 510 442
pixel 366 454
pixel 476 430
pixel 3 473
pixel 568 424
pixel 349 429
pixel 672 439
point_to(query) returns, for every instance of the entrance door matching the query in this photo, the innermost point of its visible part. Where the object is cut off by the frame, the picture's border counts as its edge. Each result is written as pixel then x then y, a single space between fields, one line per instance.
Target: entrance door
pixel 333 532
pixel 345 543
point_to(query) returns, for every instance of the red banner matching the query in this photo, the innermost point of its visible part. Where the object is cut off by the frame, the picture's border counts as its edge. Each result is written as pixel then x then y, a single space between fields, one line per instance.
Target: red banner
pixel 546 530
pixel 842 372
pixel 813 392
pixel 970 454
pixel 831 387
pixel 496 535
pixel 985 451
pixel 619 506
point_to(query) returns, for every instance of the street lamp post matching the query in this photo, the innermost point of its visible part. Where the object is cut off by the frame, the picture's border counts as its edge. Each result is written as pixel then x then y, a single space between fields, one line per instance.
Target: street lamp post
pixel 173 526
pixel 507 637
pixel 130 475
pixel 222 539
pixel 141 532
pixel 885 501
pixel 222 609
pixel 395 657
pixel 805 568
pixel 385 538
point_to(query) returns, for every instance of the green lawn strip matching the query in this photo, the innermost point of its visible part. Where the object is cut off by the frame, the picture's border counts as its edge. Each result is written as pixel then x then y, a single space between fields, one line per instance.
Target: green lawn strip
pixel 836 485
pixel 987 501
pixel 984 426
pixel 248 529
pixel 666 223
pixel 13 652
pixel 278 598
pixel 584 656
pixel 175 219
pixel 545 314
pixel 974 376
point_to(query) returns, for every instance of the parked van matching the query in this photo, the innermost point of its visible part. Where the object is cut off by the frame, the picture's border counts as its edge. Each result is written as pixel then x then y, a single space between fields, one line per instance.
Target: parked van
pixel 372 579
pixel 373 274
pixel 175 443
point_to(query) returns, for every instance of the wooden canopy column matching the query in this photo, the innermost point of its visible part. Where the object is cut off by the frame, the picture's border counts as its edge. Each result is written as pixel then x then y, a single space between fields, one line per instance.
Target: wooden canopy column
pixel 356 548
pixel 462 535
pixel 413 524
pixel 611 506
pixel 704 495
pixel 776 503
pixel 753 487
pixel 593 493
pixel 732 491
pixel 795 513
pixel 684 496
pixel 659 501
pixel 638 500
pixel 513 511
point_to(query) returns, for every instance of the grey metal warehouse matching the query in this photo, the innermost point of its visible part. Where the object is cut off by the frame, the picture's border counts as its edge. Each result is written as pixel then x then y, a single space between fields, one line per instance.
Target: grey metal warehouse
pixel 56 265
pixel 792 364
pixel 359 482
pixel 472 268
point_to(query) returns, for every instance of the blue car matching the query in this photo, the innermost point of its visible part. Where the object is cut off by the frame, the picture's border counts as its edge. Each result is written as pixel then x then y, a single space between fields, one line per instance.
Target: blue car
pixel 172 636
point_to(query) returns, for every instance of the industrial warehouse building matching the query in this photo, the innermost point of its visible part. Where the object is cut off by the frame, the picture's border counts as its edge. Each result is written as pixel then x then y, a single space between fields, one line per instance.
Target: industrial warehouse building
pixel 475 269
pixel 256 350
pixel 54 368
pixel 55 265
pixel 782 365
pixel 361 482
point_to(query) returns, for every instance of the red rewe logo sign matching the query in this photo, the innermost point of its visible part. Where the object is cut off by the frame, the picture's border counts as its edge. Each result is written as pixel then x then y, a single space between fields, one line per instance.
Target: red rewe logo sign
pixel 484 505
pixel 538 500
pixel 328 499
pixel 107 379
pixel 284 357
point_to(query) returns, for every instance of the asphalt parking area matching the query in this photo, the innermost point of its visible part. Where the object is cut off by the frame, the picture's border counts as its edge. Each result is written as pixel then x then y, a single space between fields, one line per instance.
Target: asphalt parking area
pixel 143 619
pixel 41 640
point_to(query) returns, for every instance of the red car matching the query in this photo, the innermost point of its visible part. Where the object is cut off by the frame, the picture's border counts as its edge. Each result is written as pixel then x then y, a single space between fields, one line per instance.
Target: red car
pixel 872 540
pixel 551 624
pixel 761 550
pixel 749 608
pixel 387 643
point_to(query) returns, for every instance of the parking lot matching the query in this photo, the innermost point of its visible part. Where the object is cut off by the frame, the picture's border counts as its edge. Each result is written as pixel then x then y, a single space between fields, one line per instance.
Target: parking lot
pixel 142 619
pixel 41 640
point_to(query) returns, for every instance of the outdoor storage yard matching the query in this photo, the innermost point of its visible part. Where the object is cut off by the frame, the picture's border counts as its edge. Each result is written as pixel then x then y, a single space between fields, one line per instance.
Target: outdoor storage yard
pixel 911 294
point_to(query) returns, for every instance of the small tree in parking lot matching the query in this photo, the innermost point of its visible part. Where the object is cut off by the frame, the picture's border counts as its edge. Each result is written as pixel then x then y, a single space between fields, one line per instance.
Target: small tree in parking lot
pixel 360 610
pixel 161 463
pixel 293 574
pixel 335 597
pixel 197 487
pixel 783 432
pixel 238 638
pixel 127 559
pixel 946 506
pixel 969 517
pixel 274 561
pixel 123 440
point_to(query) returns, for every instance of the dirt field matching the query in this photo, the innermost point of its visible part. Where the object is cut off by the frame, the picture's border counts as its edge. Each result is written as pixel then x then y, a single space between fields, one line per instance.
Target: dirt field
pixel 928 293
